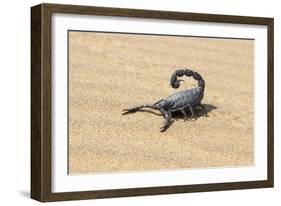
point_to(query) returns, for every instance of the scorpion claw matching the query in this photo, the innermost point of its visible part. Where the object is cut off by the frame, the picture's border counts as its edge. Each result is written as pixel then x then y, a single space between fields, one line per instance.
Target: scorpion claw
pixel 126 111
pixel 163 128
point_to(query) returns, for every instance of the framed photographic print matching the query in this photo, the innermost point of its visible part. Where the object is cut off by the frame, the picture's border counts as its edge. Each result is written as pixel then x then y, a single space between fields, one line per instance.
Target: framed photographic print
pixel 128 102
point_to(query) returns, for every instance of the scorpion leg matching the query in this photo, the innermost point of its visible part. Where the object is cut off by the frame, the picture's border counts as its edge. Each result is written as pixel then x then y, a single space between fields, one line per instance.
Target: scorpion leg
pixel 192 113
pixel 167 116
pixel 184 114
pixel 137 108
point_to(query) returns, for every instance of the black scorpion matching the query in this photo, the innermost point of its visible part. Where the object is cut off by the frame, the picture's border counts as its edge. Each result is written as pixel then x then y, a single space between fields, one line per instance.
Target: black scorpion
pixel 183 101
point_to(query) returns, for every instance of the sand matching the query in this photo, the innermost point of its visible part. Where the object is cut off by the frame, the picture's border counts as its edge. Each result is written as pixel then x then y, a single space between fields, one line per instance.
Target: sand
pixel 110 72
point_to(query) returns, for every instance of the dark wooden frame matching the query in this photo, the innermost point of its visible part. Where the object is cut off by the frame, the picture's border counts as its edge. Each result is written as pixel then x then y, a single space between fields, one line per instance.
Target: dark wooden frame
pixel 41 102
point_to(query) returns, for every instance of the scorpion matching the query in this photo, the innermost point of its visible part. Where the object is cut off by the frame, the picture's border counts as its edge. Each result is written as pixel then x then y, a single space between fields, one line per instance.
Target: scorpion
pixel 182 101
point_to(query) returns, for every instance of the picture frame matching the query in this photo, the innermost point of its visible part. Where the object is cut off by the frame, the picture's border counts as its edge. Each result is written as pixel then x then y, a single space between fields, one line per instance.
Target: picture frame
pixel 43 87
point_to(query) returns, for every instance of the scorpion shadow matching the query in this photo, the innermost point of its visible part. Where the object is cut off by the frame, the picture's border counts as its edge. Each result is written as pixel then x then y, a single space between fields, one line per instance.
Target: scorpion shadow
pixel 198 114
pixel 179 116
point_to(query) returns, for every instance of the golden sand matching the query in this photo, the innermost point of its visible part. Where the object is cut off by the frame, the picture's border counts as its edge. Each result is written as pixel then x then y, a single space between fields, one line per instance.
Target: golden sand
pixel 111 72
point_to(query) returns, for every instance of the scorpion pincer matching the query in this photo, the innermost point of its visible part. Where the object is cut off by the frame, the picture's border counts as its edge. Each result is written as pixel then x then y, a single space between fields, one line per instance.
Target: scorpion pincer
pixel 183 101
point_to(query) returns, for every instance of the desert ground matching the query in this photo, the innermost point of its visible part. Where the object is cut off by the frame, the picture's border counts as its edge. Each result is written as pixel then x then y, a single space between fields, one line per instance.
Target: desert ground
pixel 109 72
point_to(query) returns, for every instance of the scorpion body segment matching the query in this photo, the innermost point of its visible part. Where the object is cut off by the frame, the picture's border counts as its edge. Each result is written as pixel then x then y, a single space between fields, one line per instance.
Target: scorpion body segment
pixel 183 101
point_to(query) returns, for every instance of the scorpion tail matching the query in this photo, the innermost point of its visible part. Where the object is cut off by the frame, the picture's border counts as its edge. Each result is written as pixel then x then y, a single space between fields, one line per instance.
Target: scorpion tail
pixel 175 83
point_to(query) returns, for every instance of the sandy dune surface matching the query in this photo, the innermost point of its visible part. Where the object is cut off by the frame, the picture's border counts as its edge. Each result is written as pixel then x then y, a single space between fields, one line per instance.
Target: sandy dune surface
pixel 110 72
